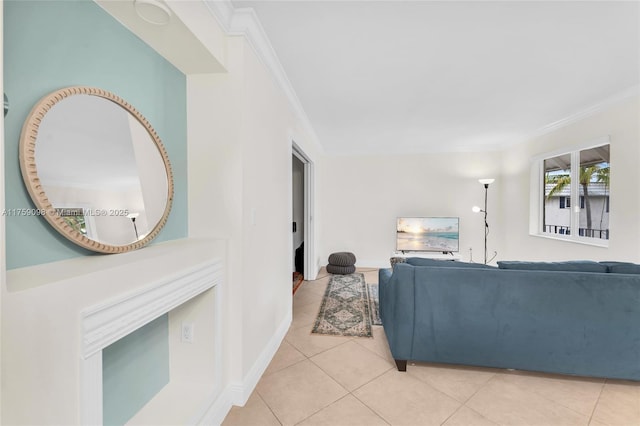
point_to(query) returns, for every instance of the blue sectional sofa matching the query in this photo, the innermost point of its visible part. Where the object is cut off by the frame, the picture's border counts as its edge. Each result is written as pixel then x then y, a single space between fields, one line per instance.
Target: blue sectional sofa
pixel 580 318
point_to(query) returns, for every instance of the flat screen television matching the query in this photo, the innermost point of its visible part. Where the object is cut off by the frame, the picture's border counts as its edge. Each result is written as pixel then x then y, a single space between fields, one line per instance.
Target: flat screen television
pixel 434 234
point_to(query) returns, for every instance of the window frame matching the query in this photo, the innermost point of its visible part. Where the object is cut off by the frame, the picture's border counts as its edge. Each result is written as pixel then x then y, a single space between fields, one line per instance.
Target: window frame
pixel 537 187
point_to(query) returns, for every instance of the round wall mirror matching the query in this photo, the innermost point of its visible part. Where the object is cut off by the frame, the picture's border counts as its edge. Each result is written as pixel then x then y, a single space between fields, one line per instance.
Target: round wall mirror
pixel 96 170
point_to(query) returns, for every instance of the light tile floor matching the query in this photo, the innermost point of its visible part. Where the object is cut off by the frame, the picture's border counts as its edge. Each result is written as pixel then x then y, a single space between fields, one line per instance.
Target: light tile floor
pixel 342 381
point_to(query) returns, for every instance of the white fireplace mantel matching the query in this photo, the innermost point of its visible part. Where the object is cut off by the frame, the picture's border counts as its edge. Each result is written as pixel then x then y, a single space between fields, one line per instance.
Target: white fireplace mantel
pixel 71 310
pixel 107 322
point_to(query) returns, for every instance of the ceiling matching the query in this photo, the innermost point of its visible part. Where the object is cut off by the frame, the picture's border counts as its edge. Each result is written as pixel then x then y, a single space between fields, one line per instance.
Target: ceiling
pixel 379 77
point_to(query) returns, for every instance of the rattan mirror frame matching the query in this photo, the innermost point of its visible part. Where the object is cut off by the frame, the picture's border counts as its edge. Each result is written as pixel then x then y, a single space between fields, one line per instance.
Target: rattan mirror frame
pixel 28 167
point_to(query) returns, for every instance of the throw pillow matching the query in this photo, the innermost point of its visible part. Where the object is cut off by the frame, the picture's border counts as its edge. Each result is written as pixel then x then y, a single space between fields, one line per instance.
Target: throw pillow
pixel 622 267
pixel 569 266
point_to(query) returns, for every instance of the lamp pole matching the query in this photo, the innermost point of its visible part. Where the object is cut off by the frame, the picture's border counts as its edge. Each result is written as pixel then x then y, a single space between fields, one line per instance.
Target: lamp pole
pixel 486 183
pixel 133 217
pixel 486 224
pixel 135 229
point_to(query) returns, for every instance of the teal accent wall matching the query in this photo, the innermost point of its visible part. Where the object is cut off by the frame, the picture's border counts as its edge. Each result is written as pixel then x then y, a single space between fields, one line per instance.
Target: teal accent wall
pixel 134 369
pixel 49 45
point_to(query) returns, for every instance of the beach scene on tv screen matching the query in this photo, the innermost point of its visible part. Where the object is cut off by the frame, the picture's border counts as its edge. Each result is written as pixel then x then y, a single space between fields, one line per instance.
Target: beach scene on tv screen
pixel 427 234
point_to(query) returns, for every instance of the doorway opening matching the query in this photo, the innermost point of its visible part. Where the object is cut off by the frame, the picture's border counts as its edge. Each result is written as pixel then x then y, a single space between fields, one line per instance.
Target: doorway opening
pixel 302 241
pixel 297 213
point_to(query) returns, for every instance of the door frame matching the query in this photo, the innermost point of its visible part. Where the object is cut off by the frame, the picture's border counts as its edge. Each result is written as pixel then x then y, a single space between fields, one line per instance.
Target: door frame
pixel 310 271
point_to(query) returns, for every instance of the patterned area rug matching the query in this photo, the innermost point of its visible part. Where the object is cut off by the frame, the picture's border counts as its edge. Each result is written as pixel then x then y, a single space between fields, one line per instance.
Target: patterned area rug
pixel 374 304
pixel 345 309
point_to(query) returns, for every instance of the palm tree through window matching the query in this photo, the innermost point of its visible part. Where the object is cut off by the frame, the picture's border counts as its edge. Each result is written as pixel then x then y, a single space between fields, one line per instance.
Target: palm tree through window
pixel 590 168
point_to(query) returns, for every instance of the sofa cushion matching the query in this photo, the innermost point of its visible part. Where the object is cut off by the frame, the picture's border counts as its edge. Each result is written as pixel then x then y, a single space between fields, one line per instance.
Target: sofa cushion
pixel 569 266
pixel 622 267
pixel 421 261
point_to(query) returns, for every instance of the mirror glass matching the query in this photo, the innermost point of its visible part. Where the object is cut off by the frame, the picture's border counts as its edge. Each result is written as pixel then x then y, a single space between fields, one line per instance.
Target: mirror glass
pixel 96 169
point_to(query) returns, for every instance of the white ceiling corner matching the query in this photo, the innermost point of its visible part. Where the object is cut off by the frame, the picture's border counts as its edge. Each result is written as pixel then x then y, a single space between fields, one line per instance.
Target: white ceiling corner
pixel 222 10
pixel 589 111
pixel 421 76
pixel 244 22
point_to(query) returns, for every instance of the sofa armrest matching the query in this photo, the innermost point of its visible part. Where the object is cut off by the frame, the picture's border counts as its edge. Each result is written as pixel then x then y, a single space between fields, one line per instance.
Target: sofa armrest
pixel 384 275
pixel 397 309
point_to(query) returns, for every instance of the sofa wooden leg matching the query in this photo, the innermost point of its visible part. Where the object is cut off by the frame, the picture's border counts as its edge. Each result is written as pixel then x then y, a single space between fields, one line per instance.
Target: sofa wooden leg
pixel 401 364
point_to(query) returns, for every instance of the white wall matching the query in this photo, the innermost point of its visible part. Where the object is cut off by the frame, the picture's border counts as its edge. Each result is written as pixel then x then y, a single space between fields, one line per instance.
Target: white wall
pixel 361 197
pixel 215 199
pixel 267 208
pixel 3 257
pixel 241 129
pixel 621 123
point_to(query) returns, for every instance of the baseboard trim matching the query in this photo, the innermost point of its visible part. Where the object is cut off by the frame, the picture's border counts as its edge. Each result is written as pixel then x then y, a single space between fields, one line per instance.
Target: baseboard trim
pixel 219 408
pixel 244 389
pixel 237 393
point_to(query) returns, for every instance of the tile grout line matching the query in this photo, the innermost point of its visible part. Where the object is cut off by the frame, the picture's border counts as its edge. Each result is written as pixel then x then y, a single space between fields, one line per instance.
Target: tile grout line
pixel 283 368
pixel 330 377
pixel 464 404
pixel 560 376
pixel 350 391
pixel 597 401
pixel 370 408
pixel 269 407
pixel 481 415
pixel 476 392
pixel 453 414
pixel 356 340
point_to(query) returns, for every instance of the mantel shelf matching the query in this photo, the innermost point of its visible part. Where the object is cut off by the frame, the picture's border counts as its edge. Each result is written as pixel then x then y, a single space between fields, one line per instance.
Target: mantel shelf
pixel 89 271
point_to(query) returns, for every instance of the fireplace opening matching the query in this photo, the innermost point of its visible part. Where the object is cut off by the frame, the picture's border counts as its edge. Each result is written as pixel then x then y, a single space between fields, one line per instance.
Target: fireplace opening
pixel 134 369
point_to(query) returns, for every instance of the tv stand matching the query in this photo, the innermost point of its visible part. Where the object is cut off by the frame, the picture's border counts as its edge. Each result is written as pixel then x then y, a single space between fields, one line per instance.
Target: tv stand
pixel 447 255
pixel 439 255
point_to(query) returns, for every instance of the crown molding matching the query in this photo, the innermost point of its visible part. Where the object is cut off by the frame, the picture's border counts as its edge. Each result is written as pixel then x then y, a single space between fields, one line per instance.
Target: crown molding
pixel 574 118
pixel 245 22
pixel 222 11
pixel 587 112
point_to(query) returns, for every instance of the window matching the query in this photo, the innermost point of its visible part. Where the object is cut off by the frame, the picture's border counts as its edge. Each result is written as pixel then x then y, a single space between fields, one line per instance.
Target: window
pixel 578 178
pixel 74 217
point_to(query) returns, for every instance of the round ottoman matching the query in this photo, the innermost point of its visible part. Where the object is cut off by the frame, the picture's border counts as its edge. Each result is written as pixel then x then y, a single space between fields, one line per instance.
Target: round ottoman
pixel 342 263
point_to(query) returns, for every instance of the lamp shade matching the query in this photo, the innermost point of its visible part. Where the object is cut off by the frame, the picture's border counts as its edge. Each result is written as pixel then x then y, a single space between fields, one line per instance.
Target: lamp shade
pixel 486 181
pixel 476 209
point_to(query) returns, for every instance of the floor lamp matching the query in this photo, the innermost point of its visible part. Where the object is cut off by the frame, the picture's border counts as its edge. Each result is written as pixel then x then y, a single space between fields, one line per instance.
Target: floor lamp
pixel 133 217
pixel 476 209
